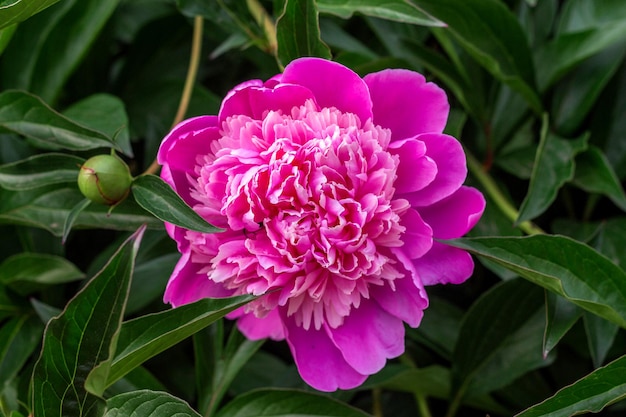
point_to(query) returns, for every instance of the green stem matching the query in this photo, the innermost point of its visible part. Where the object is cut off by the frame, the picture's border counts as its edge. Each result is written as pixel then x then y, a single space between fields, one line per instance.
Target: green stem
pixel 501 201
pixel 192 71
pixel 420 399
pixel 377 408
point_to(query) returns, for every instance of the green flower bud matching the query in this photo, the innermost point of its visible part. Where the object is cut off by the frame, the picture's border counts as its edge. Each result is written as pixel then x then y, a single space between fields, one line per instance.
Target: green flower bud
pixel 104 179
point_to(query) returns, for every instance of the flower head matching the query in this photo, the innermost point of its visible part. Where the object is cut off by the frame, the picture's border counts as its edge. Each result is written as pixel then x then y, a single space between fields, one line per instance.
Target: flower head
pixel 331 189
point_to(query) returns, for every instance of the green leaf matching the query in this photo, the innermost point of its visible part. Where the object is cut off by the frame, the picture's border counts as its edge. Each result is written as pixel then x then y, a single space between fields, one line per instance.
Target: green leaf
pixel 48 208
pixel 508 322
pixel 48 48
pixel 82 339
pixel 5 36
pixel 590 394
pixel 104 113
pixel 27 115
pixel 287 403
pixel 157 197
pixel 71 218
pixel 40 170
pixel 594 174
pixel 492 35
pixel 397 10
pixel 562 265
pixel 600 336
pixel 144 337
pixel 27 272
pixel 554 166
pixel 439 329
pixel 146 403
pixel 18 339
pixel 298 32
pixel 561 315
pixel 15 11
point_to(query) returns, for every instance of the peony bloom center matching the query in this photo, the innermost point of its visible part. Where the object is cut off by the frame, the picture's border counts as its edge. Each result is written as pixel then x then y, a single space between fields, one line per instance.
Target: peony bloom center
pixel 308 201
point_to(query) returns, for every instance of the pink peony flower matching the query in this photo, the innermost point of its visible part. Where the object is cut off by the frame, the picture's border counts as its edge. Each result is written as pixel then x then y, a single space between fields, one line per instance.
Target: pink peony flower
pixel 331 189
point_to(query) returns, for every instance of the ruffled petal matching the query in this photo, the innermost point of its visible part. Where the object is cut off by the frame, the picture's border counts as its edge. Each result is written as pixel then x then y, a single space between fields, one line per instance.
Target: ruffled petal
pixel 448 154
pixel 256 101
pixel 416 170
pixel 407 299
pixel 418 236
pixel 255 328
pixel 455 215
pixel 187 284
pixel 319 362
pixel 368 337
pixel 405 103
pixel 332 84
pixel 444 264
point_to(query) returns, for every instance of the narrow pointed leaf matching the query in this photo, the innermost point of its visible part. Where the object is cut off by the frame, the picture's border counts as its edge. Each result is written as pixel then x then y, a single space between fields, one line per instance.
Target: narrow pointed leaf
pixel 561 315
pixel 40 170
pixel 82 338
pixel 5 36
pixel 146 403
pixel 600 337
pixel 157 197
pixel 18 339
pixel 71 218
pixel 562 265
pixel 590 394
pixel 27 115
pixel 144 337
pixel 298 32
pixel 26 272
pixel 398 10
pixel 287 403
pixel 16 11
pixel 554 166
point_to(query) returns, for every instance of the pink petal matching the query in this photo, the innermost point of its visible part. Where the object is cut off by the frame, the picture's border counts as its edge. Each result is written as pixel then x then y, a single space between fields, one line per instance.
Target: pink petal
pixel 368 337
pixel 405 103
pixel 416 170
pixel 444 264
pixel 257 101
pixel 187 284
pixel 448 154
pixel 319 362
pixel 455 215
pixel 255 328
pixel 332 84
pixel 409 300
pixel 418 236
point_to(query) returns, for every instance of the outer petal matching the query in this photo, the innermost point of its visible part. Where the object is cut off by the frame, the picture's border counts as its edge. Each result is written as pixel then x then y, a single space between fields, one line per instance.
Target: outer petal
pixel 416 170
pixel 418 237
pixel 255 328
pixel 187 284
pixel 368 337
pixel 405 103
pixel 448 154
pixel 408 300
pixel 454 216
pixel 319 361
pixel 444 264
pixel 332 84
pixel 257 101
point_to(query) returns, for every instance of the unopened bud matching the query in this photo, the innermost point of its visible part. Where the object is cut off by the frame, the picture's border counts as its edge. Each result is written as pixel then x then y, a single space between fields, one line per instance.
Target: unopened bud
pixel 104 179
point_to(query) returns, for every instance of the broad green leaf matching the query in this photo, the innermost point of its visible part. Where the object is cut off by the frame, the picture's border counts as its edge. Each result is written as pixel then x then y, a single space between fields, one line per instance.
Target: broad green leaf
pixel 298 32
pixel 287 403
pixel 137 379
pixel 590 394
pixel 144 337
pixel 82 339
pixel 585 14
pixel 561 315
pixel 150 278
pixel 48 48
pixel 27 115
pixel 493 36
pixel 439 329
pixel 562 265
pixel 27 272
pixel 48 208
pixel 15 11
pixel 146 403
pixel 104 113
pixel 504 318
pixel 397 10
pixel 554 166
pixel 157 197
pixel 40 170
pixel 18 339
pixel 600 337
pixel 594 174
pixel 610 240
pixel 5 36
